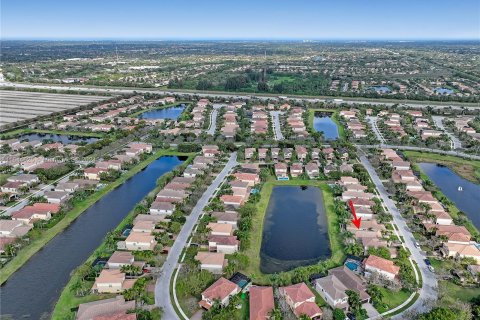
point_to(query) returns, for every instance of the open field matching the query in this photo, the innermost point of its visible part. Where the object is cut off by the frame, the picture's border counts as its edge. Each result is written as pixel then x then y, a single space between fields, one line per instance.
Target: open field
pixel 27 252
pixel 22 105
pixel 467 169
pixel 253 252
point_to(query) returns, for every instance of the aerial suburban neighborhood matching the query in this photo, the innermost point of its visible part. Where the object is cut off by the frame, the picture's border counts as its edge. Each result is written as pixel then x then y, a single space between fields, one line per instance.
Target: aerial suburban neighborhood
pixel 242 179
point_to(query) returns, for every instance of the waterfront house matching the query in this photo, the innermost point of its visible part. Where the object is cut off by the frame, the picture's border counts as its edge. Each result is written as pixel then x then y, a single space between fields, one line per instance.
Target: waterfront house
pixel 230 217
pixel 166 208
pixel 13 229
pixel 296 169
pixel 223 244
pixel 139 241
pixel 100 308
pixel 221 291
pixel 251 178
pixel 119 259
pixel 112 281
pixel 235 201
pixel 312 170
pixel 69 187
pixel 211 261
pixel 281 170
pixel 261 302
pixel 382 266
pixel 56 196
pixel 93 173
pixel 144 226
pixel 301 300
pixel 220 229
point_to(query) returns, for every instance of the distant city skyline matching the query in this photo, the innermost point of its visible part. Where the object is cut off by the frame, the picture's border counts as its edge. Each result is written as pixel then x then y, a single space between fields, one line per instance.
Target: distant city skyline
pixel 245 20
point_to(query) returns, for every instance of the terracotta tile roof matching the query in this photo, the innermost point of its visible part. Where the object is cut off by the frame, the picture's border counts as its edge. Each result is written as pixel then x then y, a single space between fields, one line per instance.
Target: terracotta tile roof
pixel 382 264
pixel 308 308
pixel 261 302
pixel 117 316
pixel 212 258
pixel 220 289
pixel 298 292
pixel 87 311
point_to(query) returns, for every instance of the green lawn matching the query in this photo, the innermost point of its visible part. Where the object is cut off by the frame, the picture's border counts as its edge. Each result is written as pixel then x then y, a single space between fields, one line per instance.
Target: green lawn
pixel 253 251
pixel 392 299
pixel 335 118
pixel 467 169
pixel 25 253
pixel 459 292
pixel 17 132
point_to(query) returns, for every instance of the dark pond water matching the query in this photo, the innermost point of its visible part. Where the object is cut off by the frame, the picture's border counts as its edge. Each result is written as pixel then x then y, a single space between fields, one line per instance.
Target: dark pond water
pixel 325 124
pixel 65 139
pixel 295 230
pixel 33 290
pixel 167 113
pixel 467 200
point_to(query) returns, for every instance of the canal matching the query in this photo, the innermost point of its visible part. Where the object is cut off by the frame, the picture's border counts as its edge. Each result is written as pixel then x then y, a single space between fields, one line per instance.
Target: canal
pixel 32 291
pixel 467 200
pixel 171 113
pixel 295 231
pixel 65 139
pixel 322 122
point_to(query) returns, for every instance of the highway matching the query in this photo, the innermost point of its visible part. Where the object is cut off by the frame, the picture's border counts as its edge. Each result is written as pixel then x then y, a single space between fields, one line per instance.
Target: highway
pixel 245 96
pixel 449 153
pixel 162 287
pixel 429 290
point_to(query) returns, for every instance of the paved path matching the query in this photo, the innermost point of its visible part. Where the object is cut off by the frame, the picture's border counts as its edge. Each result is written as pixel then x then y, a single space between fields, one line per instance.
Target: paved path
pixel 277 131
pixel 373 123
pixel 162 287
pixel 428 291
pixel 450 153
pixel 456 143
pixel 213 119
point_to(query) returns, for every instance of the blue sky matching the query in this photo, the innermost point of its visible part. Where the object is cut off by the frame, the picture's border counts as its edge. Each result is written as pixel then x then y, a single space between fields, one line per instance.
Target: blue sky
pixel 244 19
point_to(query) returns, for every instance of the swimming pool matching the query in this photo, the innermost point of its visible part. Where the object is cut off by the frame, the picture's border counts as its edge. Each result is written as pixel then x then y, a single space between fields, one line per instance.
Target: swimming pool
pixel 352 265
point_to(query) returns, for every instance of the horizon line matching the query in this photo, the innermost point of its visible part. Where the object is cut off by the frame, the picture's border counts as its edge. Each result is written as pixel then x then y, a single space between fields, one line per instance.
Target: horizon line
pixel 227 39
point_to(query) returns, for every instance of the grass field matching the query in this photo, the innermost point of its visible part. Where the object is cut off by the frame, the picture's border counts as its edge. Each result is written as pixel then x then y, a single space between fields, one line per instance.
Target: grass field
pixel 334 117
pixel 467 169
pixel 392 299
pixel 67 299
pixel 253 252
pixel 17 132
pixel 27 252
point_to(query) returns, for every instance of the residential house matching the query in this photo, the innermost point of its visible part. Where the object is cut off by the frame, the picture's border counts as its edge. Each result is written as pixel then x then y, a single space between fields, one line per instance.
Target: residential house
pixel 261 302
pixel 106 307
pixel 139 241
pixel 112 281
pixel 223 244
pixel 221 291
pixel 211 261
pixel 384 267
pixel 301 300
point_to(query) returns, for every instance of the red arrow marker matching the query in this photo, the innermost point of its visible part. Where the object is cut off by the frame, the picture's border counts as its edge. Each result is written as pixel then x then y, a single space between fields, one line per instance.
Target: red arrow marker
pixel 356 221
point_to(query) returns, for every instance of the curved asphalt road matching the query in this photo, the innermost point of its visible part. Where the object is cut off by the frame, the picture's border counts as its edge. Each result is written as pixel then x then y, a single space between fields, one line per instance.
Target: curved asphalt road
pixel 429 289
pixel 162 287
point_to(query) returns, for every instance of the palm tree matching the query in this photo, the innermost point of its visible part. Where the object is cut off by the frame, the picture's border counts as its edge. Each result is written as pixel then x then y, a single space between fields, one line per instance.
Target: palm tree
pixel 276 314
